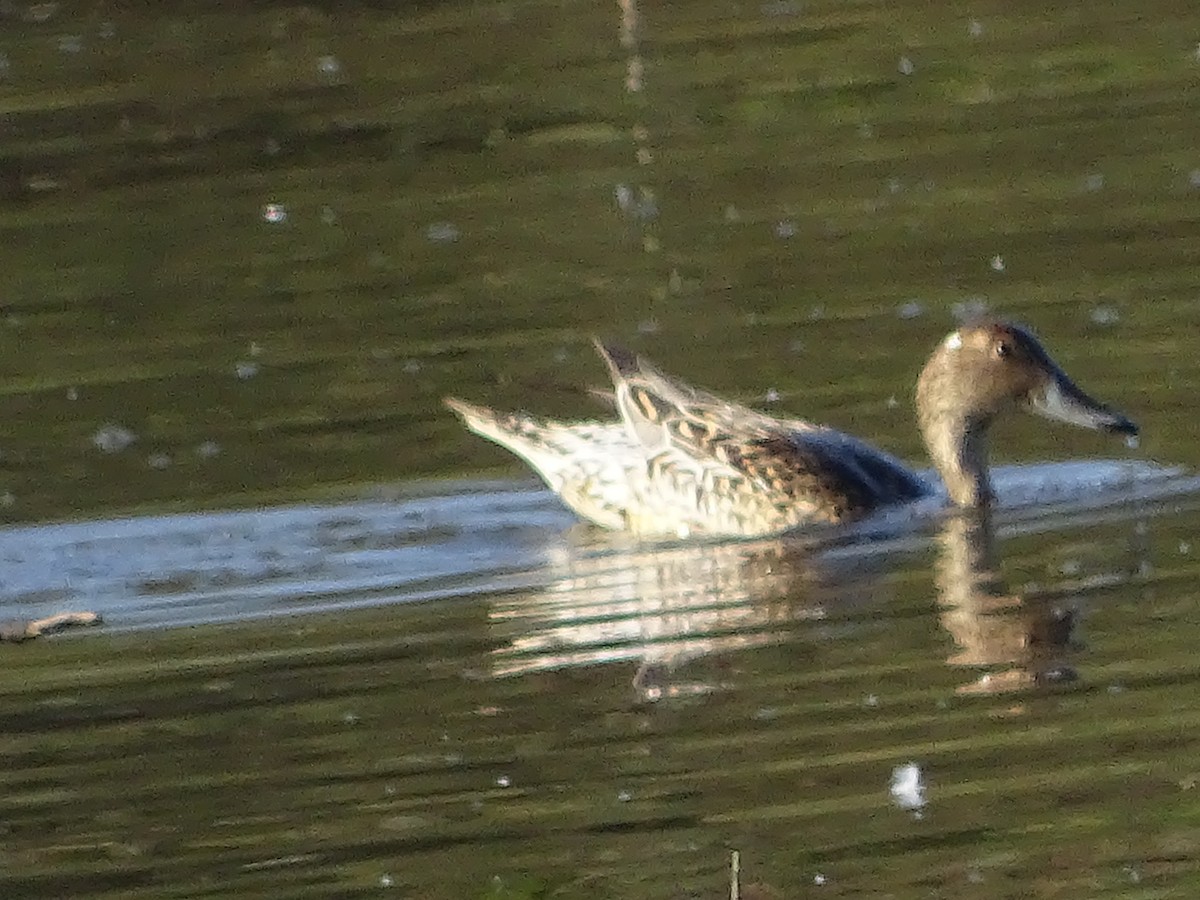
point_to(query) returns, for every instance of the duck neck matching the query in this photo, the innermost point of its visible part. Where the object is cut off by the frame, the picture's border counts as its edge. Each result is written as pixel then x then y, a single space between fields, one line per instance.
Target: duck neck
pixel 959 451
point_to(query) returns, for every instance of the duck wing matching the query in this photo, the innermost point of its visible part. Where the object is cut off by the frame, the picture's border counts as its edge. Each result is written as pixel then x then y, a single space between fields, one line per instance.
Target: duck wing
pixel 735 465
pixel 842 477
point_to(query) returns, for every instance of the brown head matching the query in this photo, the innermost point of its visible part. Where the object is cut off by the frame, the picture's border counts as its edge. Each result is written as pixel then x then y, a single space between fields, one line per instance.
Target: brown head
pixel 980 371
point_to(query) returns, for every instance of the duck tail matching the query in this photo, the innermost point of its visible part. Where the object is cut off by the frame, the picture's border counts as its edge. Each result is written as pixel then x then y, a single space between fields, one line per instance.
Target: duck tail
pixel 506 429
pixel 588 464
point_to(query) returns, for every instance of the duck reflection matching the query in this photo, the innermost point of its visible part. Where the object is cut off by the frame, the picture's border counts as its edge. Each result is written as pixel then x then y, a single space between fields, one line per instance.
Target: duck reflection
pixel 660 606
pixel 1024 640
pixel 663 606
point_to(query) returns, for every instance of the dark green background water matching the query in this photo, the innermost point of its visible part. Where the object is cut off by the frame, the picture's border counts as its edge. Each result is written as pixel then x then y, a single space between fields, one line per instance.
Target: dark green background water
pixel 778 195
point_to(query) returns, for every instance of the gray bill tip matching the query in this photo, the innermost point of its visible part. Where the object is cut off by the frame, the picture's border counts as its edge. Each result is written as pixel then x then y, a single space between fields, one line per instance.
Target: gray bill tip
pixel 1120 425
pixel 1062 400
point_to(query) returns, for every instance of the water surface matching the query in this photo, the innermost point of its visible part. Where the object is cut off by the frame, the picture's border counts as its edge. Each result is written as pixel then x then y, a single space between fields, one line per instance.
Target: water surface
pixel 248 249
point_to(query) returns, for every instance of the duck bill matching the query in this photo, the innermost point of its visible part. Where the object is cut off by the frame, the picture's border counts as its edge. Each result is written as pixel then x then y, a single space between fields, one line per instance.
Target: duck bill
pixel 1060 399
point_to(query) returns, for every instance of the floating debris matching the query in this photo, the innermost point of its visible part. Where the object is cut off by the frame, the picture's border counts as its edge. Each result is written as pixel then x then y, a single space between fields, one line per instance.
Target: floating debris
pixel 16 632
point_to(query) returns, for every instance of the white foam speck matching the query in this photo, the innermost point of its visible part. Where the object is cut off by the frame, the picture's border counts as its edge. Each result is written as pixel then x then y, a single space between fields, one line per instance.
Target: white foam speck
pixel 274 213
pixel 908 787
pixel 113 438
pixel 442 233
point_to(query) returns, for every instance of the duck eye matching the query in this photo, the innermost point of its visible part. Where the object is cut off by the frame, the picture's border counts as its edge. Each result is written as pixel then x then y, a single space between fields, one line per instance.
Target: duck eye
pixel 1003 349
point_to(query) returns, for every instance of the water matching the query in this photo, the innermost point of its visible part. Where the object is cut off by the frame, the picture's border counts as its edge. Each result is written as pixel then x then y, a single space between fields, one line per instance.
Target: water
pixel 450 694
pixel 351 650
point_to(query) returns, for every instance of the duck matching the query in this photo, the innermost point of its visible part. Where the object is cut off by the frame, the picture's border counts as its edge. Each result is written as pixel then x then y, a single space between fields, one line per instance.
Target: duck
pixel 680 462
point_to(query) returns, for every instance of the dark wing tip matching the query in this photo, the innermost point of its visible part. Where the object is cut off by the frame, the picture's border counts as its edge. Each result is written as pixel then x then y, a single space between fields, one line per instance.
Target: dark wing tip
pixel 621 361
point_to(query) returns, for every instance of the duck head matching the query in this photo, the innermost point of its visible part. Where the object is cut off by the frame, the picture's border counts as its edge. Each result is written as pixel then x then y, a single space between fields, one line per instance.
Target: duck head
pixel 979 372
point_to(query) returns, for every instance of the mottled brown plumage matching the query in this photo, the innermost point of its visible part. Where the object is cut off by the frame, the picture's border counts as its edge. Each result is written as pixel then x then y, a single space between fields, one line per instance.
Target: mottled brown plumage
pixel 682 461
